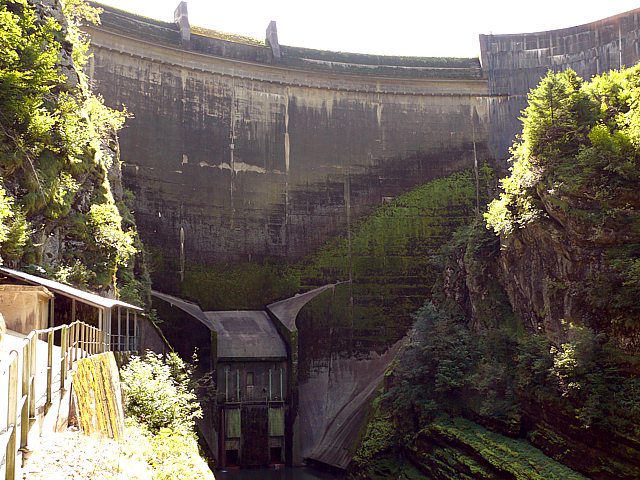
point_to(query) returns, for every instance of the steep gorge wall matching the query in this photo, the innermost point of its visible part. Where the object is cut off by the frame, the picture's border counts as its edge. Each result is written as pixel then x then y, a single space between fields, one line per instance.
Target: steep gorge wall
pixel 246 158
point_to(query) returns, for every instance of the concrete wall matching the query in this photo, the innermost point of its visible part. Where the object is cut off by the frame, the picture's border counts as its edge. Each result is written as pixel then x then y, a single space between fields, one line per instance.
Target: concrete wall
pixel 515 63
pixel 151 337
pixel 25 308
pixel 239 151
pixel 234 157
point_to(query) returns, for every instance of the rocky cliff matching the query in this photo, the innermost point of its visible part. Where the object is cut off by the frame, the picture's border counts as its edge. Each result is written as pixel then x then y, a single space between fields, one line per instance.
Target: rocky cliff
pixel 62 205
pixel 568 214
pixel 529 345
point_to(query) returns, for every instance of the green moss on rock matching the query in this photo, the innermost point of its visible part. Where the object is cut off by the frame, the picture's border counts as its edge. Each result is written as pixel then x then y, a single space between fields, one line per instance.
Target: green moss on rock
pixel 513 458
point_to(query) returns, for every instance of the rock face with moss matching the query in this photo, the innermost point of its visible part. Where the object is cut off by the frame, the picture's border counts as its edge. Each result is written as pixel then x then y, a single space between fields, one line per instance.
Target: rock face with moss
pixel 526 360
pixel 61 199
pixel 569 225
pixel 568 214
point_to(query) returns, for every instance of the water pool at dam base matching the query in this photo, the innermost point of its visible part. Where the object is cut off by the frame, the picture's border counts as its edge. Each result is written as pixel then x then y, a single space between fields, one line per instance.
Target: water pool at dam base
pixel 299 473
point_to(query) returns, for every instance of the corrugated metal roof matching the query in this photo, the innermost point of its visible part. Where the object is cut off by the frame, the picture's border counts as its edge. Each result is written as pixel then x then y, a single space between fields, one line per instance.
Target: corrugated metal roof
pixel 247 334
pixel 57 287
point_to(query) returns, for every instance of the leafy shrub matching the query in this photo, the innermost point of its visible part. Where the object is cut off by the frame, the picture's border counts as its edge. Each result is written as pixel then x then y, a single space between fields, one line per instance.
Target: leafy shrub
pixel 157 393
pixel 175 457
pixel 580 140
pixel 161 409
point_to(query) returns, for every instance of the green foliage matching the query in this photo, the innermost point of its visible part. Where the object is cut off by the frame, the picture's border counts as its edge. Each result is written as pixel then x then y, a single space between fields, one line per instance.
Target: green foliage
pixel 6 213
pixel 17 238
pixel 161 405
pixel 168 454
pixel 56 152
pixel 378 456
pixel 14 229
pixel 533 365
pixel 75 273
pixel 515 458
pixel 176 457
pixel 380 435
pixel 580 140
pixel 554 127
pixel 106 226
pixel 77 13
pixel 158 394
pixel 435 369
pixel 587 377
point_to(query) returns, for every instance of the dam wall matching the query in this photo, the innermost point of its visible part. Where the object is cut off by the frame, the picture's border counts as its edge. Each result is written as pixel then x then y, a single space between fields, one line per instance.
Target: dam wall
pixel 235 155
pixel 241 150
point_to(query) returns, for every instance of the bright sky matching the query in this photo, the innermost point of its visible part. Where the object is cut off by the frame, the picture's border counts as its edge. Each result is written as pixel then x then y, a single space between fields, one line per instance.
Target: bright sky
pixel 393 27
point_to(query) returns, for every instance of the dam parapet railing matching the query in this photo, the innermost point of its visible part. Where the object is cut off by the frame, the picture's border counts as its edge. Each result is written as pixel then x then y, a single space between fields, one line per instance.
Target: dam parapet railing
pixel 244 49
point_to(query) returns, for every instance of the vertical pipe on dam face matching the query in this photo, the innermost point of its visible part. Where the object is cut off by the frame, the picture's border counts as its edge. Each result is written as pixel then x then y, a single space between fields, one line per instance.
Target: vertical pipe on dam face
pixel 620 43
pixel 233 114
pixel 226 384
pixel 287 153
pixel 475 164
pixel 181 254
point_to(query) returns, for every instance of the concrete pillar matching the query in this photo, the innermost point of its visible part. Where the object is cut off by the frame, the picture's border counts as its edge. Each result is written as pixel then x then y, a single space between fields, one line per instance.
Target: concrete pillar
pixel 119 342
pixel 25 307
pixel 272 39
pixel 107 333
pixel 181 18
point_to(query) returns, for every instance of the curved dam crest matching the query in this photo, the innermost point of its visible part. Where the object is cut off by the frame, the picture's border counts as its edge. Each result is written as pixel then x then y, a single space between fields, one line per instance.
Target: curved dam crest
pixel 254 158
pixel 242 154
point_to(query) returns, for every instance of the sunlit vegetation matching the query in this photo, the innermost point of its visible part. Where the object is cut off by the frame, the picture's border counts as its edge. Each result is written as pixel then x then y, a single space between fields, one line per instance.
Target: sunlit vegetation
pixel 161 408
pixel 477 385
pixel 57 208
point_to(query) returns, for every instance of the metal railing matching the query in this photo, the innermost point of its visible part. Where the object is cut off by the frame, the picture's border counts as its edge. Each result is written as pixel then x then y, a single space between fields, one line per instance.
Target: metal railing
pixel 24 394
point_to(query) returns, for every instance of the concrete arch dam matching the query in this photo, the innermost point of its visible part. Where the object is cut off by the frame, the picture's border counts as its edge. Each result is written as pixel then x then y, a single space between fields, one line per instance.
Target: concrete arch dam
pixel 242 152
pixel 255 156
